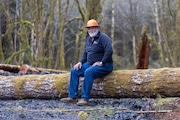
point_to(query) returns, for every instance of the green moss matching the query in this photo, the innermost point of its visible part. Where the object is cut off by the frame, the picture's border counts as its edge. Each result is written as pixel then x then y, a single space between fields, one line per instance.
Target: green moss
pixel 19 82
pixel 160 101
pixel 165 100
pixel 61 83
pixel 39 81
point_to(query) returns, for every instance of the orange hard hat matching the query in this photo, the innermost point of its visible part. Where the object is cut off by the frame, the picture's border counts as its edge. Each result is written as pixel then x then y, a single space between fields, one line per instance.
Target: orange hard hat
pixel 92 23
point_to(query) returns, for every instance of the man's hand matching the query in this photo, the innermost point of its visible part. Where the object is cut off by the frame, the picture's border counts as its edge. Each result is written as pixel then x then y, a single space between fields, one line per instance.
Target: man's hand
pixel 97 64
pixel 78 66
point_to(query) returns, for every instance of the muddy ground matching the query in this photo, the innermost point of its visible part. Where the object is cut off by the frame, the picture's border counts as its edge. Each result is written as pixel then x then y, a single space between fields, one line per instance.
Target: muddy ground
pixel 173 105
pixel 99 109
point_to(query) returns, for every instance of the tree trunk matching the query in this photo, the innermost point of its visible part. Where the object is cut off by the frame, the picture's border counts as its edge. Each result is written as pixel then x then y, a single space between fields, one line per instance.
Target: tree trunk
pixel 160 40
pixel 87 13
pixel 51 27
pixel 60 57
pixel 144 48
pixel 1 47
pixel 177 30
pixel 40 42
pixel 113 23
pixel 6 34
pixel 163 82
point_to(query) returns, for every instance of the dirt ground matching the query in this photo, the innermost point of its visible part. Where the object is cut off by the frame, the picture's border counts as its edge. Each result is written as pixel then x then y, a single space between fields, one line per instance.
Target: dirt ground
pixel 172 105
pixel 99 109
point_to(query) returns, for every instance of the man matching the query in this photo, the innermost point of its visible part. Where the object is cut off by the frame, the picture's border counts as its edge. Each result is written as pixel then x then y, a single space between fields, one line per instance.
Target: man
pixel 95 62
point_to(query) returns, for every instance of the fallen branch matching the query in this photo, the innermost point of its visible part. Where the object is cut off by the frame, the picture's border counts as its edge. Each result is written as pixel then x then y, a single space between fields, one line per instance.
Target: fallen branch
pixel 104 109
pixel 92 109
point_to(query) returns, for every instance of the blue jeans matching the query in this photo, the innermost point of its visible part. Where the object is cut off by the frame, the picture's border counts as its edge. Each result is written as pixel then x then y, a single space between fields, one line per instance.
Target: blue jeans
pixel 90 73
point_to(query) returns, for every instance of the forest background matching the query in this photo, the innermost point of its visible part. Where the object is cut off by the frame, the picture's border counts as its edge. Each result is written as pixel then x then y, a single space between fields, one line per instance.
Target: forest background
pixel 51 33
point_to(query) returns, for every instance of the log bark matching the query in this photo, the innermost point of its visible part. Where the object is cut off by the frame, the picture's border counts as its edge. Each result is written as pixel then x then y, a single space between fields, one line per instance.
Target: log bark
pixel 164 82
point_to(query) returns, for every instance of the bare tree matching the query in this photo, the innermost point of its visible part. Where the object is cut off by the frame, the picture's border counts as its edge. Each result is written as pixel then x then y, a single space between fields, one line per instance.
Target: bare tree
pixel 177 29
pixel 51 31
pixel 166 32
pixel 156 14
pixel 46 33
pixel 90 11
pixel 60 58
pixel 113 22
pixel 6 33
pixel 1 49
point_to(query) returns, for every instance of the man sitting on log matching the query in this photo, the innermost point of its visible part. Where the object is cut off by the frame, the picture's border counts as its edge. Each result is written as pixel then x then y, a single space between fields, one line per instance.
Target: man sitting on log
pixel 95 62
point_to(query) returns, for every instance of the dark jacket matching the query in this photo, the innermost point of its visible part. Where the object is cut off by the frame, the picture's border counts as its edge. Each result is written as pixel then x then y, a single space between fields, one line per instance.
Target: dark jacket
pixel 98 50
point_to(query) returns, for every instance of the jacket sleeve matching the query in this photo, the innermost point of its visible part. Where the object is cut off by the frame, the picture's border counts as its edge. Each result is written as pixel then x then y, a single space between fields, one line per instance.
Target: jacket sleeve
pixel 84 57
pixel 108 50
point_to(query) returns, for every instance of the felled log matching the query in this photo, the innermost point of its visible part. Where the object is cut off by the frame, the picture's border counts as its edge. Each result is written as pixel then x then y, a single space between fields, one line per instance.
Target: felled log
pixel 163 82
pixel 9 68
pixel 24 68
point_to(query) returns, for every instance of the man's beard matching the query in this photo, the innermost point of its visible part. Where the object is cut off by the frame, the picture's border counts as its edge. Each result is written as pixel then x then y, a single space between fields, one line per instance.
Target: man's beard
pixel 93 34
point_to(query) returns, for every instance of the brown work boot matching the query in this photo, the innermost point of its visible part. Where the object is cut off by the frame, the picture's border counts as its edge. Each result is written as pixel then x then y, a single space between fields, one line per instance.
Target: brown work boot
pixel 69 100
pixel 82 102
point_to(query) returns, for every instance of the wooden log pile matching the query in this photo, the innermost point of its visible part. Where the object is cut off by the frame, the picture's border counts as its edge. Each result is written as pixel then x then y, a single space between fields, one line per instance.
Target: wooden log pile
pixel 164 82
